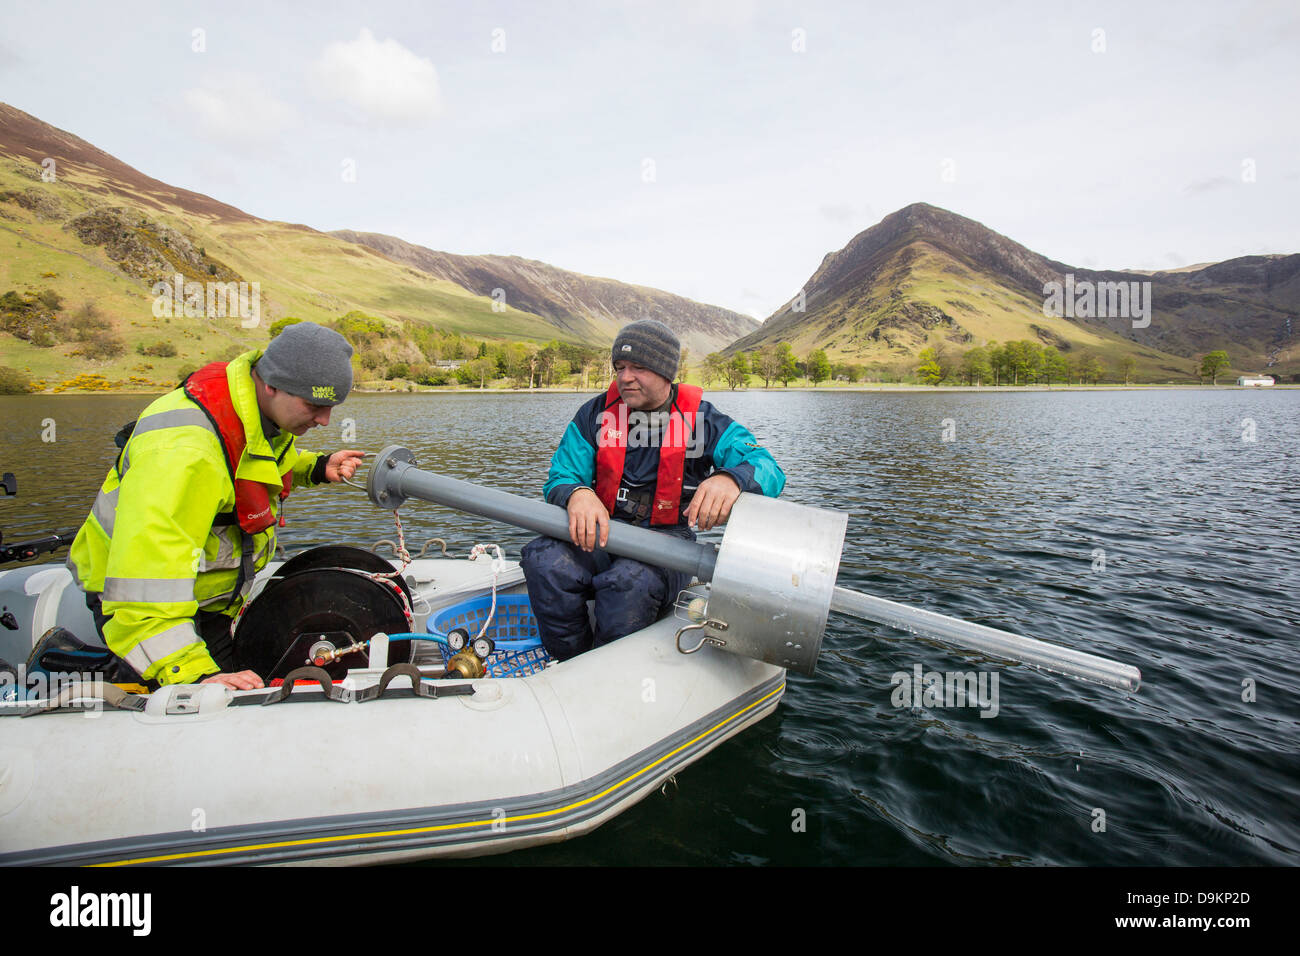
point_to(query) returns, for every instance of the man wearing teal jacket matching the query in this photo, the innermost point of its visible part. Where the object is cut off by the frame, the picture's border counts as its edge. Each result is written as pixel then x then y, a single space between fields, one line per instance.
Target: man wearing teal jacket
pixel 187 514
pixel 646 452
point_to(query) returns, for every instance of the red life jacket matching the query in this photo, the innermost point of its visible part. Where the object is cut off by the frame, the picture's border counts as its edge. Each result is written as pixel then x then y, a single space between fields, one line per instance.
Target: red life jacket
pixel 611 452
pixel 209 389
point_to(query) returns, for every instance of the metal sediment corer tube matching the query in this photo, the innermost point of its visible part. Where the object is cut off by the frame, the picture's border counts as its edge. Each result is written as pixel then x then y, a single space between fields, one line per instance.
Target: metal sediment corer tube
pixel 394 478
pixel 773 582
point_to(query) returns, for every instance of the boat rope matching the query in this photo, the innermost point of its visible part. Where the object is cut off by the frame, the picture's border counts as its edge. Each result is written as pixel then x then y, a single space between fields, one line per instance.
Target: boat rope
pixel 387 578
pixel 498 565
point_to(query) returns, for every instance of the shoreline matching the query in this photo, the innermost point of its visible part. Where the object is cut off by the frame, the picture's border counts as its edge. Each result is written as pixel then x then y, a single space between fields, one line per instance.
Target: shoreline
pixel 881 387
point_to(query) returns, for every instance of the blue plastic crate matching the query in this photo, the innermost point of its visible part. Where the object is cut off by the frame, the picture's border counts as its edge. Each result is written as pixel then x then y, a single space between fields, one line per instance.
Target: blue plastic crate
pixel 519 651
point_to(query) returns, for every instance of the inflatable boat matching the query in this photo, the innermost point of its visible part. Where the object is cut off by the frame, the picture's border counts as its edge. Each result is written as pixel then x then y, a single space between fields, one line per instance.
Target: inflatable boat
pixel 342 772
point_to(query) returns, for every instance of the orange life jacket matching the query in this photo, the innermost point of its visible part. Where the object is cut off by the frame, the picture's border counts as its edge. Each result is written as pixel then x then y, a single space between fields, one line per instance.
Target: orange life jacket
pixel 611 452
pixel 209 389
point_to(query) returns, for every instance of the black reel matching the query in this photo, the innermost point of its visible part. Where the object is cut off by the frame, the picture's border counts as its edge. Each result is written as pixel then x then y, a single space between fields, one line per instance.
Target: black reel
pixel 340 556
pixel 302 617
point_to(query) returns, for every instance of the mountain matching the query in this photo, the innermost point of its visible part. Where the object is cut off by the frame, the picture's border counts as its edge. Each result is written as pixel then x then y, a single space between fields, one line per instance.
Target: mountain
pixel 925 276
pixel 84 234
pixel 584 306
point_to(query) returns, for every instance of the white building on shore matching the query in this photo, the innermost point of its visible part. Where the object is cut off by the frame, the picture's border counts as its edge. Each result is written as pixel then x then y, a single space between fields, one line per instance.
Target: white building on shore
pixel 1255 381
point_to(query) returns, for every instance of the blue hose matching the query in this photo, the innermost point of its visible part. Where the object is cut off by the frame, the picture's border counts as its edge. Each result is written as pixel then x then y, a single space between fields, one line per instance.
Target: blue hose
pixel 419 637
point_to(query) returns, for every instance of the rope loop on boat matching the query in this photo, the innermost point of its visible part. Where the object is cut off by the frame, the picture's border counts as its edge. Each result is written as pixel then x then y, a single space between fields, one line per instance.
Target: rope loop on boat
pixel 387 577
pixel 498 565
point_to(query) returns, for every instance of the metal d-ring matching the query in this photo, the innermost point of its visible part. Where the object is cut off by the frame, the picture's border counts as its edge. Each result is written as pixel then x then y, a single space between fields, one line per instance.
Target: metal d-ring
pixel 690 627
pixel 706 639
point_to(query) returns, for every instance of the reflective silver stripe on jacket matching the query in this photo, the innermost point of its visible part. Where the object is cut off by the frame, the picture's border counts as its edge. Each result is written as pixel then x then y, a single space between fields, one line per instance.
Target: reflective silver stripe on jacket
pixel 153 649
pixel 149 590
pixel 105 509
pixel 227 550
pixel 218 602
pixel 223 599
pixel 176 418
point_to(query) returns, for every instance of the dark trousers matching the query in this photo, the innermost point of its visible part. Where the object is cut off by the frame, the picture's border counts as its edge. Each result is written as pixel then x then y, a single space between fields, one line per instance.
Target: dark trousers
pixel 561 578
pixel 212 626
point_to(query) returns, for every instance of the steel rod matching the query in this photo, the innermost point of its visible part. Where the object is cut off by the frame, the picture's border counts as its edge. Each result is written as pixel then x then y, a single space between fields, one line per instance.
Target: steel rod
pixel 988 640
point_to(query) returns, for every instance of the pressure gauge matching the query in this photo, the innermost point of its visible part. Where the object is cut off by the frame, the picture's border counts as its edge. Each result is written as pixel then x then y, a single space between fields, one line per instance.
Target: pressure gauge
pixel 457 638
pixel 484 646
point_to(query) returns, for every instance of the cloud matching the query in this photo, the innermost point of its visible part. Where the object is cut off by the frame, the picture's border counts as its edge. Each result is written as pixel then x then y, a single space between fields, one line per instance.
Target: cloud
pixel 237 109
pixel 382 79
pixel 1206 185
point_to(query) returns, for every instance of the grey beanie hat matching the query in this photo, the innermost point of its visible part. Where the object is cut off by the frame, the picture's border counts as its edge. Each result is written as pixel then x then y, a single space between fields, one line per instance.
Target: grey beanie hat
pixel 650 343
pixel 309 361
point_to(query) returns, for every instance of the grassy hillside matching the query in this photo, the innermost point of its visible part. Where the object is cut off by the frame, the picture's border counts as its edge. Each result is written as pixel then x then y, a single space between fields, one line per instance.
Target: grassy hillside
pixel 301 273
pixel 927 278
pixel 922 297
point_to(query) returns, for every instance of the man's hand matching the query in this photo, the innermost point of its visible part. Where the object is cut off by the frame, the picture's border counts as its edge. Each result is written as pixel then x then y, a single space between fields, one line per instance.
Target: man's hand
pixel 343 464
pixel 588 519
pixel 712 502
pixel 243 680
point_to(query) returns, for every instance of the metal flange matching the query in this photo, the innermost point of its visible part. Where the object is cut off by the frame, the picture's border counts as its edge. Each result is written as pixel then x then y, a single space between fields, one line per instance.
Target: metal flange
pixel 385 477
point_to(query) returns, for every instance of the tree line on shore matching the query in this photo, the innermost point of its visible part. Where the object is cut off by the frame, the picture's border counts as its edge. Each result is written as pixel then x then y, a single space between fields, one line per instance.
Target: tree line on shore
pixel 1020 362
pixel 426 355
pixel 1023 362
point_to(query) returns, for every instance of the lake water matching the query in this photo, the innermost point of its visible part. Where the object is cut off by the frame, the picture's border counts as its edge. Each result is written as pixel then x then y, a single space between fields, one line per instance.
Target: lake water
pixel 1158 527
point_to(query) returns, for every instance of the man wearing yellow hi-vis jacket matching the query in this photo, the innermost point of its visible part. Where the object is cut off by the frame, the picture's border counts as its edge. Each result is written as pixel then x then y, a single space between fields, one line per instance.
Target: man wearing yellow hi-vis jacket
pixel 187 514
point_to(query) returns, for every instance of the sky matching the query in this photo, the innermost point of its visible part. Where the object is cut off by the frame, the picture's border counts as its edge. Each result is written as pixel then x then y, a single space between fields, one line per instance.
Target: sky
pixel 717 150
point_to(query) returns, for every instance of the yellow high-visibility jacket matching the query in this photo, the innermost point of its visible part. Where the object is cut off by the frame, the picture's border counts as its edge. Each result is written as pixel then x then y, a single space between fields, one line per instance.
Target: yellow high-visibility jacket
pixel 149 546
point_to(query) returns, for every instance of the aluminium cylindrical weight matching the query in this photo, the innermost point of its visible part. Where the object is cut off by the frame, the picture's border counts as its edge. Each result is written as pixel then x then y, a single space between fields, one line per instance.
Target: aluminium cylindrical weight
pixel 773 581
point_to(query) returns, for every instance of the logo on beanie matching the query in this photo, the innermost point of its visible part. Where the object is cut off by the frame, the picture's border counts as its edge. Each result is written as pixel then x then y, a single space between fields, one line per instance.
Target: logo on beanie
pixel 626 348
pixel 323 391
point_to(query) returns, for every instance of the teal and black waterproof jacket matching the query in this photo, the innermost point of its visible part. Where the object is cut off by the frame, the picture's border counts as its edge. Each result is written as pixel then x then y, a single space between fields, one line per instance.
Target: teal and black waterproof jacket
pixel 718 444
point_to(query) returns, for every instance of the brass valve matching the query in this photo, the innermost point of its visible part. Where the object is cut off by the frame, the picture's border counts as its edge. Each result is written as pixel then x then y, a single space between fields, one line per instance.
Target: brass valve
pixel 466 664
